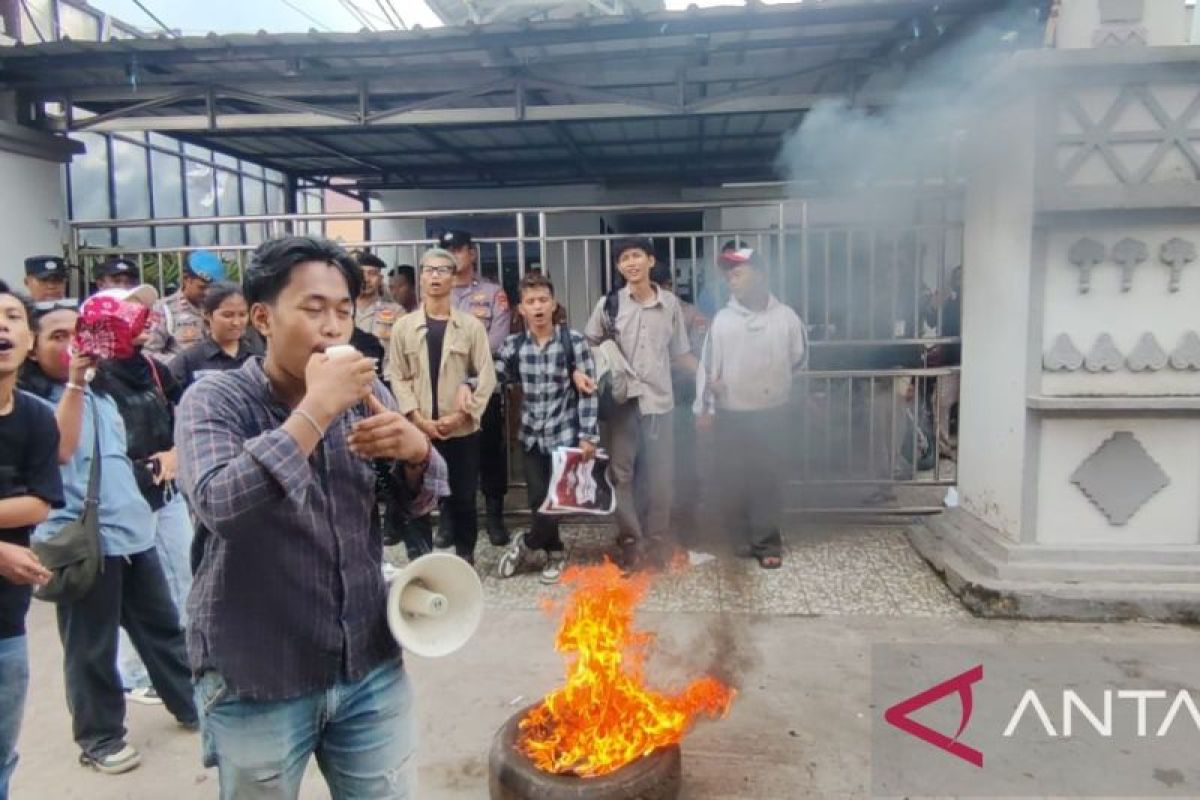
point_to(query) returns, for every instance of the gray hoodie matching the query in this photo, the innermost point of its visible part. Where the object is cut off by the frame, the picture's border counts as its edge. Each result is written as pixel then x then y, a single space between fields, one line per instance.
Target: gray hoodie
pixel 755 354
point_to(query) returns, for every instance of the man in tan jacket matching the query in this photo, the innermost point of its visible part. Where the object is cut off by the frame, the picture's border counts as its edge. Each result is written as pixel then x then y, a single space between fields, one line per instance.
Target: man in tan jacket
pixel 441 370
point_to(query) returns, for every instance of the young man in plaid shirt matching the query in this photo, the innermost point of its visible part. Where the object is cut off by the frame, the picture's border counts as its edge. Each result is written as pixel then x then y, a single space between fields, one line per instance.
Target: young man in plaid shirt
pixel 548 361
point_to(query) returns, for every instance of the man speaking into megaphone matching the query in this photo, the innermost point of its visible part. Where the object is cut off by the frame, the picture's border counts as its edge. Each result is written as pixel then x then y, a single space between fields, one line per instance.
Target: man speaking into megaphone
pixel 288 636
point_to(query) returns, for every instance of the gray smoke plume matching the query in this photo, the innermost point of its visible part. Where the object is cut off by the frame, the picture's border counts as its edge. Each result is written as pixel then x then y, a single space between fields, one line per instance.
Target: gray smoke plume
pixel 926 96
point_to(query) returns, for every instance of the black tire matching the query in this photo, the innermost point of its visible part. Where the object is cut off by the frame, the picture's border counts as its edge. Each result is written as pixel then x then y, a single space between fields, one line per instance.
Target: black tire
pixel 512 776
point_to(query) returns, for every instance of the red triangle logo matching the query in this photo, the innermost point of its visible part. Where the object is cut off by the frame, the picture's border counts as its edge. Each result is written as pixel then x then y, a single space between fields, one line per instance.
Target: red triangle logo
pixel 898 715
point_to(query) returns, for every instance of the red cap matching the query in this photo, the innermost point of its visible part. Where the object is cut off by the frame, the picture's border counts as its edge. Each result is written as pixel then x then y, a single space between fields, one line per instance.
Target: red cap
pixel 740 256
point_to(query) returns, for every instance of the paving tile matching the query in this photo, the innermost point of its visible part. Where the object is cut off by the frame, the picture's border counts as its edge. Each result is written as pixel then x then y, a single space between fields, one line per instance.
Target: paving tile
pixel 830 569
pixel 747 588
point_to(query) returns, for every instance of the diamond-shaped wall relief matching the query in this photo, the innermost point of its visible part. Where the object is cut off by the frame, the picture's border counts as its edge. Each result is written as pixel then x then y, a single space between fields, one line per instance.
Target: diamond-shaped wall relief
pixel 1119 477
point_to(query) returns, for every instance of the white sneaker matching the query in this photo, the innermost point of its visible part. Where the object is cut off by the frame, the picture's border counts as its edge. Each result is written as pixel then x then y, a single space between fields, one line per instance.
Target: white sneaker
pixel 146 695
pixel 123 760
pixel 515 556
pixel 552 572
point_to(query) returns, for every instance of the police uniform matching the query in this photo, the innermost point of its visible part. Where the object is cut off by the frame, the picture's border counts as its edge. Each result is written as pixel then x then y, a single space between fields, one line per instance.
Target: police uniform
pixel 486 301
pixel 177 325
pixel 377 318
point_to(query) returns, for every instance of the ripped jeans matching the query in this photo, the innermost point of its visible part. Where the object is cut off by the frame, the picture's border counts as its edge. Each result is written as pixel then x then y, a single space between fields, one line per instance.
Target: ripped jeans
pixel 361 733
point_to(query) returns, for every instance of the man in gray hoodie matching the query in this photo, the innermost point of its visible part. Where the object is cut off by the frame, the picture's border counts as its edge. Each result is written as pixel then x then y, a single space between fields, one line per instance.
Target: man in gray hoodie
pixel 754 350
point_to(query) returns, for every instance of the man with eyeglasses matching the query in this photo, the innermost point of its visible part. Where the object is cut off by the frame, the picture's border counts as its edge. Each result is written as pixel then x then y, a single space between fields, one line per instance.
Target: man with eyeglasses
pixel 441 370
pixel 46 278
pixel 179 319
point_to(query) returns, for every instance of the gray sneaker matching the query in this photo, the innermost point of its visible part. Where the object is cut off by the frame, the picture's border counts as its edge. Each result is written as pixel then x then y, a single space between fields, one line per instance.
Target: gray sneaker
pixel 123 760
pixel 514 557
pixel 552 572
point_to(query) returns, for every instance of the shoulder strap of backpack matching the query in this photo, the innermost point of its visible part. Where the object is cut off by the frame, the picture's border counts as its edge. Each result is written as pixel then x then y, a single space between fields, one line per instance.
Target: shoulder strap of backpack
pixel 568 345
pixel 514 363
pixel 157 378
pixel 612 306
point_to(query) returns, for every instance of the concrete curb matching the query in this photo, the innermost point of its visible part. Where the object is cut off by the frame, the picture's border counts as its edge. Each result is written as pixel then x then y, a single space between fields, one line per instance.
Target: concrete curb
pixel 981 576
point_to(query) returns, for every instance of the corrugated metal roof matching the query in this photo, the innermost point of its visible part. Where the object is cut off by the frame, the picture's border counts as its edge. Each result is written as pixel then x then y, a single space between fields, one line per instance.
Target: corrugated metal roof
pixel 704 94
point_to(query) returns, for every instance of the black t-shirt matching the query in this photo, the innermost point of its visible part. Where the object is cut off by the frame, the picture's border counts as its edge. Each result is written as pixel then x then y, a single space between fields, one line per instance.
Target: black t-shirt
pixel 28 466
pixel 435 337
pixel 206 357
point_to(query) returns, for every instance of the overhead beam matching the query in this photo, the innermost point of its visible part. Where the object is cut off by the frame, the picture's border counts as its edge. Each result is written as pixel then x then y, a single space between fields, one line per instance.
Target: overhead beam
pixel 441 100
pixel 474 116
pixel 632 142
pixel 439 80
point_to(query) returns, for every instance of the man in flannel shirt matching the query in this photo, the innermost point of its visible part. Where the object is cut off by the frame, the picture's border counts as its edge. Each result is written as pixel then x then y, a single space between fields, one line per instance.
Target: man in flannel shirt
pixel 554 413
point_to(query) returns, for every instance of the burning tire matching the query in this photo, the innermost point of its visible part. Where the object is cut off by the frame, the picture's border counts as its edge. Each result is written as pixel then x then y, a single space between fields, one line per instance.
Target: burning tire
pixel 512 776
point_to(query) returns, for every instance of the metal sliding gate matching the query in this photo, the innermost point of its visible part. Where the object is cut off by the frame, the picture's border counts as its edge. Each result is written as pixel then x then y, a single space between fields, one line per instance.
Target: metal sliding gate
pixel 874 411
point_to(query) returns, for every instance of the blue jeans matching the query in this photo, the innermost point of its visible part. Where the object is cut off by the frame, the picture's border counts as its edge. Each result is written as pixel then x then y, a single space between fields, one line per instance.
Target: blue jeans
pixel 361 733
pixel 173 542
pixel 14 680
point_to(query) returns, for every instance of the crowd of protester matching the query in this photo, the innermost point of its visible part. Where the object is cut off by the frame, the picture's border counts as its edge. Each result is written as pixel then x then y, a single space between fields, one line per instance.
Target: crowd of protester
pixel 243 481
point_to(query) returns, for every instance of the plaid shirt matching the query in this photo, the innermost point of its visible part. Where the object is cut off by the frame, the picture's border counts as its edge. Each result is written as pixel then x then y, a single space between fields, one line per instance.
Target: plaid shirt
pixel 553 414
pixel 435 484
pixel 288 597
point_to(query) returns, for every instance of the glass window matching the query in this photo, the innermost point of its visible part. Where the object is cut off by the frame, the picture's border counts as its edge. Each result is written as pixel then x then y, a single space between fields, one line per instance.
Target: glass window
pixel 254 201
pixel 226 161
pixel 167 184
pixel 197 153
pixel 164 141
pixel 273 176
pixel 89 186
pixel 131 185
pixel 201 200
pixel 274 199
pixel 229 204
pixel 250 168
pixel 130 180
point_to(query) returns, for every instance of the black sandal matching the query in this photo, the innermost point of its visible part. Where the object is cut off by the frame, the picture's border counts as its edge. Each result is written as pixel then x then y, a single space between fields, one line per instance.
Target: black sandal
pixel 770 562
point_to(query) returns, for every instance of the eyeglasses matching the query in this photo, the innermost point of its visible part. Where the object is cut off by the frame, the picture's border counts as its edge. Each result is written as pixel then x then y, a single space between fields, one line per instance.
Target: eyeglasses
pixel 437 269
pixel 46 306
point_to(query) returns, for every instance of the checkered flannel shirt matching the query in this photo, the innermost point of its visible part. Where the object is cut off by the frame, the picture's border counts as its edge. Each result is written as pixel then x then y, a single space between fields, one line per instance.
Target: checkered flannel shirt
pixel 553 413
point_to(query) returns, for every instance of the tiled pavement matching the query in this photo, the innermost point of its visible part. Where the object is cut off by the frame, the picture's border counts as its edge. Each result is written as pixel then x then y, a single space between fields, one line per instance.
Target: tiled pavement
pixel 843 570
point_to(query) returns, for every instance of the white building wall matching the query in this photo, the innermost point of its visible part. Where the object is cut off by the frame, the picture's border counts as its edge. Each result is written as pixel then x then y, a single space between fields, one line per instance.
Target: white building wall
pixel 32 212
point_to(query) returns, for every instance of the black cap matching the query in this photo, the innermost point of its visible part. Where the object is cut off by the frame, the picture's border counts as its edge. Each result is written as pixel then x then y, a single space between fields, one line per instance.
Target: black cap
pixel 118 266
pixel 452 240
pixel 46 267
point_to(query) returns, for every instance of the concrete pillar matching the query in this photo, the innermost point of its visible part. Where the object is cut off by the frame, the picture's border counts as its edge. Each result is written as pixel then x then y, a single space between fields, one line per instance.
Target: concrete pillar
pixel 1080 427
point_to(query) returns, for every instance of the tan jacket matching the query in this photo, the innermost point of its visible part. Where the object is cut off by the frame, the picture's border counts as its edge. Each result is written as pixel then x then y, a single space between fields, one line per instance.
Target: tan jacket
pixel 466 354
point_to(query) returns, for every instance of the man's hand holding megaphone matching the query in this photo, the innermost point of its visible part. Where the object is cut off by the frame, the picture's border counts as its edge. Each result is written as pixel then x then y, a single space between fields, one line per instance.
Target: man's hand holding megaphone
pixel 387 434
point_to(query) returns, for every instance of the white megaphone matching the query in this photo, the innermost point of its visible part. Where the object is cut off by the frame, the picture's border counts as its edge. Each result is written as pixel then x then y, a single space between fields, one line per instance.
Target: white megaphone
pixel 435 604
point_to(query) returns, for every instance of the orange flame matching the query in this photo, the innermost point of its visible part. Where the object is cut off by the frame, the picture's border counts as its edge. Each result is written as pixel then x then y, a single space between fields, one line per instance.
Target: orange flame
pixel 604 716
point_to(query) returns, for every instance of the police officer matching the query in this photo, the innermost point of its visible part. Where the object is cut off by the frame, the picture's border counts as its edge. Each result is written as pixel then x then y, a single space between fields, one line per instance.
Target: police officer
pixel 372 313
pixel 118 273
pixel 46 278
pixel 179 318
pixel 487 302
